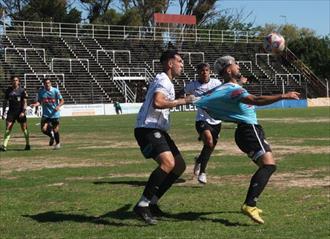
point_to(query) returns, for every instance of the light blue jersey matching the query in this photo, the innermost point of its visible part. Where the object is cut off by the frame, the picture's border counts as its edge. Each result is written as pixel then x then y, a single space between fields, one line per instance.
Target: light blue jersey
pixel 49 100
pixel 224 104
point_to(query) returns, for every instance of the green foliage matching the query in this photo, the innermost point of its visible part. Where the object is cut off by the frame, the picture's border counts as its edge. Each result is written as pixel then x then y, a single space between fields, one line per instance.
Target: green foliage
pixel 44 10
pixel 314 52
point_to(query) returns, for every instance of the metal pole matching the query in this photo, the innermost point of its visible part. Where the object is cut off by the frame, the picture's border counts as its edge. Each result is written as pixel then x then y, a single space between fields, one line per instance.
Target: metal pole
pixel 327 83
pixel 4 21
pixel 125 94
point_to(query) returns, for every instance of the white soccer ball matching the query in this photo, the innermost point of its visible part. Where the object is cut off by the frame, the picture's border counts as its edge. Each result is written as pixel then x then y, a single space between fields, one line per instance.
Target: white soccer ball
pixel 274 43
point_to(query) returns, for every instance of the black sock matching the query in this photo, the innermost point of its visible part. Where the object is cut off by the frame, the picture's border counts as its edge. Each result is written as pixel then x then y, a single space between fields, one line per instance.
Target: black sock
pixel 156 178
pixel 167 183
pixel 258 182
pixel 57 137
pixel 48 133
pixel 204 157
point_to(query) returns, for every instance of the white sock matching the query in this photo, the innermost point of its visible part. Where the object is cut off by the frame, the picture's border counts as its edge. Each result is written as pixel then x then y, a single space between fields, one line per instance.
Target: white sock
pixel 144 202
pixel 154 199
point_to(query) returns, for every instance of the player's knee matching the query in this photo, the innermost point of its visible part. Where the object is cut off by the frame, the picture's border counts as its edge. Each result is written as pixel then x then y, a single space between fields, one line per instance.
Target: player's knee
pixel 180 167
pixel 209 144
pixel 270 168
pixel 168 165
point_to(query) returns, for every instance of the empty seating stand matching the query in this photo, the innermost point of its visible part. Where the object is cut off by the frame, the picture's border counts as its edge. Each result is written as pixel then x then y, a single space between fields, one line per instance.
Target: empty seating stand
pixel 101 64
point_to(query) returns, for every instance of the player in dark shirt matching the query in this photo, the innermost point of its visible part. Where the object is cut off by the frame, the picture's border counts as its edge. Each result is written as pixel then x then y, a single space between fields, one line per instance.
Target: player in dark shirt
pixel 17 98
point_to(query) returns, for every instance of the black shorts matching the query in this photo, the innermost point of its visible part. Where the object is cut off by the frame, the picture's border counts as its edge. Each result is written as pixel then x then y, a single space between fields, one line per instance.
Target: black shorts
pixel 152 142
pixel 54 122
pixel 203 125
pixel 13 116
pixel 251 140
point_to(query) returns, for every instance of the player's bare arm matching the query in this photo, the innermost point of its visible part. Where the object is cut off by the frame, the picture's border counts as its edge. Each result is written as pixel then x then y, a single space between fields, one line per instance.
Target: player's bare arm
pixel 60 105
pixel 269 99
pixel 161 102
pixel 4 106
pixel 24 108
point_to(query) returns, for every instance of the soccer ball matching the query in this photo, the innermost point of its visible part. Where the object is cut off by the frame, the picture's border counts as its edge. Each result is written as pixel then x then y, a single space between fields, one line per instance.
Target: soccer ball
pixel 274 43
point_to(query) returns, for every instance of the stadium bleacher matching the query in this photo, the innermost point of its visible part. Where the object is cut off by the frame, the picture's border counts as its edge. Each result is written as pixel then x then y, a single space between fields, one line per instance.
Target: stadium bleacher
pixel 100 65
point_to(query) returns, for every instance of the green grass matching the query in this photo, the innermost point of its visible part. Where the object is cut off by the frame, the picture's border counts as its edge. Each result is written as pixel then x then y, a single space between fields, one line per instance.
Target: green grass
pixel 88 188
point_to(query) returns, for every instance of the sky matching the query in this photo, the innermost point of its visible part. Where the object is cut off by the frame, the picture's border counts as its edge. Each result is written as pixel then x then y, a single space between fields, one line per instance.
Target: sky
pixel 313 14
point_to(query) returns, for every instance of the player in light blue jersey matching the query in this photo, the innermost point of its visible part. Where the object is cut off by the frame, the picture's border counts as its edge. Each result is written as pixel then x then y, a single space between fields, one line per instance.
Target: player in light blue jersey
pixel 51 101
pixel 231 102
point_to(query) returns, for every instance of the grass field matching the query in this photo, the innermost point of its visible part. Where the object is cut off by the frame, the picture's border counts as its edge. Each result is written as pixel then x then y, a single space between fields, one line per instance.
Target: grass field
pixel 88 188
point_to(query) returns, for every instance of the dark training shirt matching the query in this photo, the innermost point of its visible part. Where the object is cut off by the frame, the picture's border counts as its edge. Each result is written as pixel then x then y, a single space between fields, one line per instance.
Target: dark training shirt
pixel 16 99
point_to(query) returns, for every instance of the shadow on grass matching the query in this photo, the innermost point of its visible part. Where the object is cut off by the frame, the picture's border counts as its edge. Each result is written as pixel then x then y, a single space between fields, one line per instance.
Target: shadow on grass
pixel 125 213
pixel 59 216
pixel 132 182
pixel 193 216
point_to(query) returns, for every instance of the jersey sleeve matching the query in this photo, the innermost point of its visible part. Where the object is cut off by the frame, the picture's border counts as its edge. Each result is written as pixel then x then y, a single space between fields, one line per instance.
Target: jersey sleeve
pixel 58 94
pixel 163 87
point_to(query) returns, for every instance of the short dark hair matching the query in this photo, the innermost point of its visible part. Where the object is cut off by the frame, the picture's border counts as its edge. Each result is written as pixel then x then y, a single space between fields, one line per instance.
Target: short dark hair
pixel 201 65
pixel 13 77
pixel 45 79
pixel 167 55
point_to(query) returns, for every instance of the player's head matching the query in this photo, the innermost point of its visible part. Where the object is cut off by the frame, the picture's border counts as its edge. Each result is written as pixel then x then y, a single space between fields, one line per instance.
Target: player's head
pixel 172 63
pixel 227 67
pixel 47 83
pixel 15 81
pixel 203 71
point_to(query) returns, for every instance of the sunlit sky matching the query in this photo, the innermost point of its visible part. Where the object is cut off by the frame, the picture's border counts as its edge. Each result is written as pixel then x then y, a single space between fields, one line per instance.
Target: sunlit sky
pixel 313 14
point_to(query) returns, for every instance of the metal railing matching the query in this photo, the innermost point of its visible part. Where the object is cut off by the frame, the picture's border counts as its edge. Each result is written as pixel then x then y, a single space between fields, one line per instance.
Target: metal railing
pixel 128 32
pixel 130 74
pixel 44 75
pixel 15 49
pixel 70 60
pixel 114 54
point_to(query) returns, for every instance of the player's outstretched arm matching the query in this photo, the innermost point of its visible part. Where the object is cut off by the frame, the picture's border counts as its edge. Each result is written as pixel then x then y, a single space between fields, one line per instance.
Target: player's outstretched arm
pixel 161 102
pixel 269 99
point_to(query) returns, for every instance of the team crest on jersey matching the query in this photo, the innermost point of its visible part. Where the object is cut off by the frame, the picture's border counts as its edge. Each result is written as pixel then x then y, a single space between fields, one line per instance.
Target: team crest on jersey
pixel 157 135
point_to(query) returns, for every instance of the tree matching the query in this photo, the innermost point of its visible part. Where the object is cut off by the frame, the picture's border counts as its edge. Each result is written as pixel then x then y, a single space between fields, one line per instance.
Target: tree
pixel 13 8
pixel 289 31
pixel 231 19
pixel 145 9
pixel 41 10
pixel 204 10
pixel 314 52
pixel 95 8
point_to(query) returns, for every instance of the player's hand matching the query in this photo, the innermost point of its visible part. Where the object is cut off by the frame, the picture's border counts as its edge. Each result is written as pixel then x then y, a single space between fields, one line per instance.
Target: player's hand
pixel 21 115
pixel 291 95
pixel 191 99
pixel 58 108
